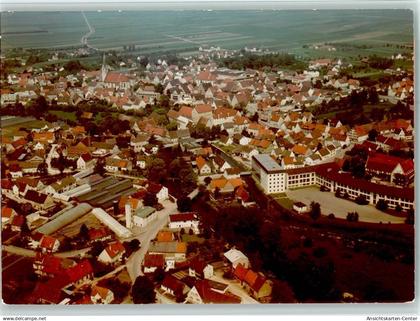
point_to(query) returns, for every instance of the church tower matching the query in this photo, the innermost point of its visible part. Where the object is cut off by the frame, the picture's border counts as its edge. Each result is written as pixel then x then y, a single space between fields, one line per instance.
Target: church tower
pixel 104 69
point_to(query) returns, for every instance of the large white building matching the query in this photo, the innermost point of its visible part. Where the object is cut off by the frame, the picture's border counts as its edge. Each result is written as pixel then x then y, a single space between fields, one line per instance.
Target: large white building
pixel 272 177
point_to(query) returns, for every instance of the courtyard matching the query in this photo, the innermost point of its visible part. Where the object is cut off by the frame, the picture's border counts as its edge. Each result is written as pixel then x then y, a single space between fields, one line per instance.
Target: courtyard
pixel 340 207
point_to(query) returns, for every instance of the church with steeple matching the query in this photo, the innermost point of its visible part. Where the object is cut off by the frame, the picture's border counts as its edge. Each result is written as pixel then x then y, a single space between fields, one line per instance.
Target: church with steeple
pixel 113 79
pixel 104 69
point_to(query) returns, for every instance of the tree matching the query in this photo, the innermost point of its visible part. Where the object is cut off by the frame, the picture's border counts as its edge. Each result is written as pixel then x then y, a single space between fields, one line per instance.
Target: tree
pixel 373 95
pixel 84 232
pixel 143 291
pixel 373 133
pixel 352 217
pixel 96 249
pixel 100 167
pixel 410 217
pixel 217 192
pixel 315 211
pixel 361 200
pixel 159 275
pixel 150 199
pixel 42 169
pixel 73 66
pixel 184 204
pixel 38 107
pixel 382 205
pixel 134 245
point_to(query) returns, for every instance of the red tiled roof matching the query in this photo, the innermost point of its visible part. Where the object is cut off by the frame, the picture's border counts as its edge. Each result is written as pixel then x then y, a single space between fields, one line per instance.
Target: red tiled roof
pixel 154 188
pixel 186 112
pixel 198 265
pixel 240 272
pixel 154 260
pixel 35 197
pixel 95 234
pixel 48 242
pixel 50 264
pixel 182 217
pixel 203 108
pixel 210 296
pixel 116 77
pixel 6 184
pixel 79 271
pixel 115 249
pixel 384 163
pixel 6 212
pixel 172 283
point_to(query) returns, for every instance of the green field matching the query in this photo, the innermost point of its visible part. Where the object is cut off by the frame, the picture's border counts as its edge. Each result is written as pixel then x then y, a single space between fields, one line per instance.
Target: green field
pixel 64 114
pixel 156 31
pixel 12 130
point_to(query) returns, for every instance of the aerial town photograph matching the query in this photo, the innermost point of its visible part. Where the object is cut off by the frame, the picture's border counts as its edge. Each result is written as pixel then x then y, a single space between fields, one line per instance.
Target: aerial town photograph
pixel 207 156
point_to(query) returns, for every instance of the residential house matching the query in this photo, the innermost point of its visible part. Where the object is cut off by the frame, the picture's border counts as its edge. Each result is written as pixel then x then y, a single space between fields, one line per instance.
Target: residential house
pixel 185 221
pixel 236 257
pixel 112 253
pixel 200 269
pixel 203 293
pixel 152 262
pixel 101 295
pixel 49 244
pixel 159 190
pixel 39 201
pixel 203 166
pixel 85 161
pixel 256 283
pixel 172 251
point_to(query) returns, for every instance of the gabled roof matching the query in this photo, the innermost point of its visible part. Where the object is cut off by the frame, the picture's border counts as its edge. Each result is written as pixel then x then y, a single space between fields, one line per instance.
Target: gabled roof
pixel 116 77
pixel 101 291
pixel 173 284
pixel 208 295
pixel 203 108
pixel 48 242
pixel 115 249
pixel 7 212
pixel 183 217
pixel 79 271
pixel 200 162
pixel 186 112
pixel 35 197
pixel 154 260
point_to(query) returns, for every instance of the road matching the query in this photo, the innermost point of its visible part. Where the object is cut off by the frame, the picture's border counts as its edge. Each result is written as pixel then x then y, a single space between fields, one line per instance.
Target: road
pixel 145 235
pixel 51 170
pixel 84 39
pixel 31 253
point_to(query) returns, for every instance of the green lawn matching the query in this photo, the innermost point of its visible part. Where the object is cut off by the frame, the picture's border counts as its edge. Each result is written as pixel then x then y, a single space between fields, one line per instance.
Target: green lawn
pixel 64 115
pixel 10 131
pixel 192 238
pixel 285 202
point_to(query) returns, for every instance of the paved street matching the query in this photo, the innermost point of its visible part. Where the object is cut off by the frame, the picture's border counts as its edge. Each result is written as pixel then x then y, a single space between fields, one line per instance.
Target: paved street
pixel 145 235
pixel 51 170
pixel 340 207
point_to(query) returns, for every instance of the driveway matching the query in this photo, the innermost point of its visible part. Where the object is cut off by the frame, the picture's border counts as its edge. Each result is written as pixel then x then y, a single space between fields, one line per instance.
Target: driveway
pixel 340 207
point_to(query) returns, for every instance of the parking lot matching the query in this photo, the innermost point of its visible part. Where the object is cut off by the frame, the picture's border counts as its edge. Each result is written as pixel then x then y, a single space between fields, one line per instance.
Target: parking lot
pixel 340 207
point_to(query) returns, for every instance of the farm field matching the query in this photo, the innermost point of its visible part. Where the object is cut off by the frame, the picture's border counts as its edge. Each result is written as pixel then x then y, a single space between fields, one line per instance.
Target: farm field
pixel 153 31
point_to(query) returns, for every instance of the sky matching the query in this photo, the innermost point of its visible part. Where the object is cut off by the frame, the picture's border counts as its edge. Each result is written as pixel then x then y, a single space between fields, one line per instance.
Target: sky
pixel 201 4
